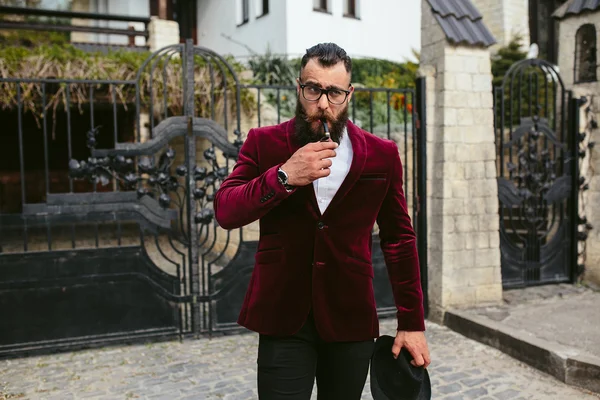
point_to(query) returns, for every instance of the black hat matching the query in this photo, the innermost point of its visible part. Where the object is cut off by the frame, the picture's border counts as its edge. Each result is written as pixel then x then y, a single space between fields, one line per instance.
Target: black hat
pixel 397 379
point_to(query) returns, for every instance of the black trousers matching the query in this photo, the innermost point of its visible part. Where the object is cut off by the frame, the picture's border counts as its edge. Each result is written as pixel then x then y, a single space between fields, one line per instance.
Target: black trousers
pixel 288 366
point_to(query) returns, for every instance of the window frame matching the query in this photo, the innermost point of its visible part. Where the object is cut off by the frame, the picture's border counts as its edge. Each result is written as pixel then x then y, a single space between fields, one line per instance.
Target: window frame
pixel 351 9
pixel 265 8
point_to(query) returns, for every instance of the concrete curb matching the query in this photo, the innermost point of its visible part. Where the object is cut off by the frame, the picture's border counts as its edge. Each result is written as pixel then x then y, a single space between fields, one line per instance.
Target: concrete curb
pixel 566 364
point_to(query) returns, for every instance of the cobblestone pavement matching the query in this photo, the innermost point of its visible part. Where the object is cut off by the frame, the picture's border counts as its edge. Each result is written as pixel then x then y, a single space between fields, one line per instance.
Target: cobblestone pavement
pixel 225 368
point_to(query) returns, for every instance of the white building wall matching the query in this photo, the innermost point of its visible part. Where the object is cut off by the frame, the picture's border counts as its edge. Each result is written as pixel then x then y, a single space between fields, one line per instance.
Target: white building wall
pixel 218 27
pixel 133 8
pixel 386 29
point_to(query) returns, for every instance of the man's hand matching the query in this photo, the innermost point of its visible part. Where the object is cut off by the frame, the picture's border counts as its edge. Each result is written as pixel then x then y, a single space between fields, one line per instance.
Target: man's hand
pixel 416 344
pixel 309 163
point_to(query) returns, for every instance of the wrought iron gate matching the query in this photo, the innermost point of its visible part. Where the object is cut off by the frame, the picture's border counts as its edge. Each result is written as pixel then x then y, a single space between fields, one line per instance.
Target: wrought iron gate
pixel 536 124
pixel 156 264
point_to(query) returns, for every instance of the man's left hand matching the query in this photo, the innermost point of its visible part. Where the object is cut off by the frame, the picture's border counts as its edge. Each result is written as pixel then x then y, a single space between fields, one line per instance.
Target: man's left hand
pixel 416 344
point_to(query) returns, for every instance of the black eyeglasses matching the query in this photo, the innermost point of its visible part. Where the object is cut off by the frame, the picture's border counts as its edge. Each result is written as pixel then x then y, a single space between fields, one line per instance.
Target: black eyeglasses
pixel 314 93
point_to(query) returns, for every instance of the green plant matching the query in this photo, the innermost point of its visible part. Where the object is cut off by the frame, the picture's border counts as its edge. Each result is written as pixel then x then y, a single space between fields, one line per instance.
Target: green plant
pixel 270 69
pixel 66 61
pixel 275 70
pixel 506 57
pixel 366 73
pixel 373 71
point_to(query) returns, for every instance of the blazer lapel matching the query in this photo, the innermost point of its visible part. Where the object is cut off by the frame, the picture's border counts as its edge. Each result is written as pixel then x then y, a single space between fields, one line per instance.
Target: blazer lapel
pixel 307 191
pixel 359 150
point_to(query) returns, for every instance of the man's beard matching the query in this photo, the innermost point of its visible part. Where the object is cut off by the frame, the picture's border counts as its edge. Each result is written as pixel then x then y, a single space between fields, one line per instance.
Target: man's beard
pixel 304 131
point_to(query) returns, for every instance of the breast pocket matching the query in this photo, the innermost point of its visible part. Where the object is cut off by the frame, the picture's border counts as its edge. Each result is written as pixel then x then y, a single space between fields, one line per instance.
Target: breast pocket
pixel 373 177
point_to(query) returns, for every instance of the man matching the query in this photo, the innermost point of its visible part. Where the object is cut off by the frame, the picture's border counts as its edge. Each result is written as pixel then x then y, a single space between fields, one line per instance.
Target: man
pixel 311 294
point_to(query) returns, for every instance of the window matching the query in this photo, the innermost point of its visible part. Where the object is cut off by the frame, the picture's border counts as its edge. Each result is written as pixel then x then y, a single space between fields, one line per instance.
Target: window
pixel 321 5
pixel 585 54
pixel 262 7
pixel 243 12
pixel 350 8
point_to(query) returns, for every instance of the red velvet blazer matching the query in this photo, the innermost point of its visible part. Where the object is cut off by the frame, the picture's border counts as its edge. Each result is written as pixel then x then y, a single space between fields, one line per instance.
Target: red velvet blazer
pixel 306 259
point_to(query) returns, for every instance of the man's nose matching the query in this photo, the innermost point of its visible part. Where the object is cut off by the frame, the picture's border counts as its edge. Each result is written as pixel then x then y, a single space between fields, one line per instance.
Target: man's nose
pixel 323 102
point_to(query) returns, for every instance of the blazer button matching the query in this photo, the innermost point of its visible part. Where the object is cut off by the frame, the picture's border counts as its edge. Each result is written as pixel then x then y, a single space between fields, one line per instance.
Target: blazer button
pixel 320 225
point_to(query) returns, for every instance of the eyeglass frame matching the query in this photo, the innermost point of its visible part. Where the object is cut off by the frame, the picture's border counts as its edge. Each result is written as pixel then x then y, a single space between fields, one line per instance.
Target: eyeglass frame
pixel 325 91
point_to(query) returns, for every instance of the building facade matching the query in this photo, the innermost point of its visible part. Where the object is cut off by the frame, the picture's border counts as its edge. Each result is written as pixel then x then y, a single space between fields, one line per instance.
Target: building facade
pixel 386 29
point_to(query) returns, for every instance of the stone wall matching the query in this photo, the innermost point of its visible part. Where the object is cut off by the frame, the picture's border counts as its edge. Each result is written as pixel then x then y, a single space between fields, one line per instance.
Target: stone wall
pixel 590 199
pixel 464 255
pixel 505 18
pixel 566 52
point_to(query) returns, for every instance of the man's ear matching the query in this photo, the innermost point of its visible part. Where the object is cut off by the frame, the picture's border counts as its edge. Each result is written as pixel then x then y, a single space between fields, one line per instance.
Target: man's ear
pixel 351 89
pixel 298 86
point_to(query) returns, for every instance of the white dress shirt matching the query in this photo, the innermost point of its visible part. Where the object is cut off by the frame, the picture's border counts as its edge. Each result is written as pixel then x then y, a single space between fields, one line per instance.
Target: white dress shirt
pixel 326 188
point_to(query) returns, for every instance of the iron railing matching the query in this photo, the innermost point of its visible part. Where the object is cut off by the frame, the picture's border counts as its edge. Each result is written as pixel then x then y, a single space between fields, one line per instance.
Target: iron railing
pixel 142 222
pixel 33 21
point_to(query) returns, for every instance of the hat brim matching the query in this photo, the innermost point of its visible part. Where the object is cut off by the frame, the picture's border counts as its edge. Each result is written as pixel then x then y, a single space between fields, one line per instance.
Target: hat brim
pixel 378 394
pixel 425 393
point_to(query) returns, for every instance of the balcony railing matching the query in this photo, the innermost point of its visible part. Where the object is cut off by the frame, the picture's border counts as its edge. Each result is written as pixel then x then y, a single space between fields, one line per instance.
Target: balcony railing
pixel 31 24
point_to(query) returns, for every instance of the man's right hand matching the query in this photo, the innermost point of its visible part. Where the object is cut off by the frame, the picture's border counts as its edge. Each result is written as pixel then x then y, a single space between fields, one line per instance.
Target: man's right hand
pixel 310 163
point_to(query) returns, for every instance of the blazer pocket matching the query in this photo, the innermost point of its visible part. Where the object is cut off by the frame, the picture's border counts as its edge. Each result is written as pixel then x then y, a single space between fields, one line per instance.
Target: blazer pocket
pixel 359 266
pixel 272 256
pixel 376 176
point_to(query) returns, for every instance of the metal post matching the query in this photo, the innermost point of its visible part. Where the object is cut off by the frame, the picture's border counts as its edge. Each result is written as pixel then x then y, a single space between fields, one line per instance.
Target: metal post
pixel 574 105
pixel 422 186
pixel 190 159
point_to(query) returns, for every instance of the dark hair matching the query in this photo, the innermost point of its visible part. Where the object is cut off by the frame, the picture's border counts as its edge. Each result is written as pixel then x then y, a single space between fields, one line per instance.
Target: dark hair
pixel 328 55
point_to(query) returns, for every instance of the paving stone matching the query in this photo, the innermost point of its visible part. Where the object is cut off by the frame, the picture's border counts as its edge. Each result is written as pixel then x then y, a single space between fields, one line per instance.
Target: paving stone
pixel 225 369
pixel 474 381
pixel 248 394
pixel 507 394
pixel 452 388
pixel 457 397
pixel 455 377
pixel 476 393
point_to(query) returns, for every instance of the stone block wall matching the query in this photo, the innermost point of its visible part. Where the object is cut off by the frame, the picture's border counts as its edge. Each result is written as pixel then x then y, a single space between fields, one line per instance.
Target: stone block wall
pixel 162 33
pixel 589 200
pixel 464 254
pixel 566 52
